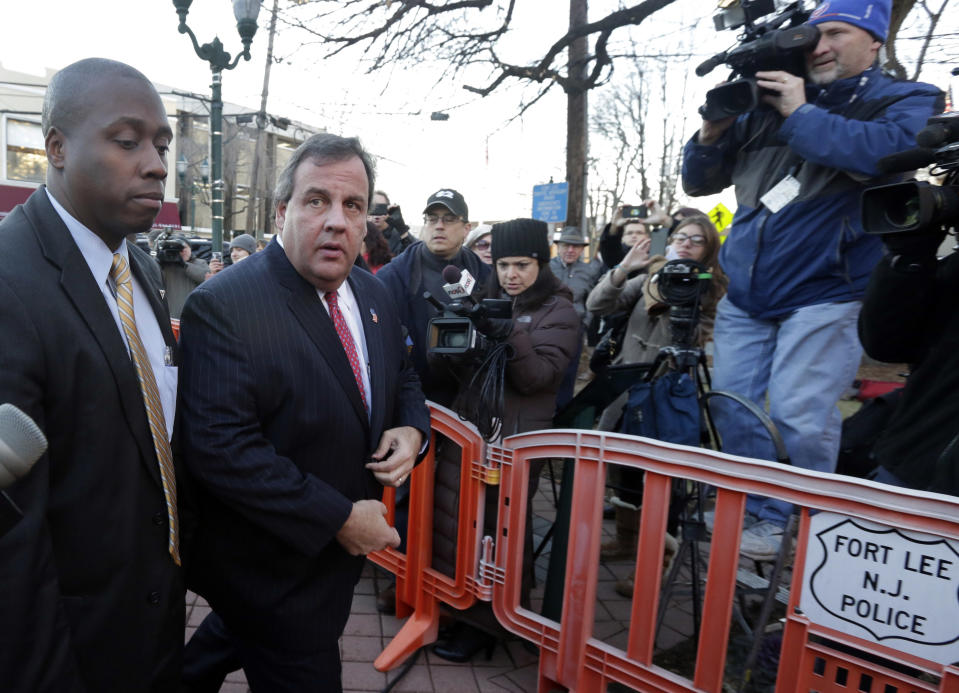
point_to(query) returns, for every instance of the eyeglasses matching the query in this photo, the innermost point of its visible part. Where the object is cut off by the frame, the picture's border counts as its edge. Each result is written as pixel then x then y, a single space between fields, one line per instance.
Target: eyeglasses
pixel 482 245
pixel 446 218
pixel 681 238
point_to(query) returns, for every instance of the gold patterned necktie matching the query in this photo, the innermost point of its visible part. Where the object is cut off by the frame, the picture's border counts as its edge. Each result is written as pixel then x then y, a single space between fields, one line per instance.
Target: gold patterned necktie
pixel 120 272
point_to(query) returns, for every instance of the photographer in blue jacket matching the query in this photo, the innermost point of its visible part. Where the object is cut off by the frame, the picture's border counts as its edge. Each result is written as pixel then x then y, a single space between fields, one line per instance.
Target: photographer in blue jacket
pixel 796 256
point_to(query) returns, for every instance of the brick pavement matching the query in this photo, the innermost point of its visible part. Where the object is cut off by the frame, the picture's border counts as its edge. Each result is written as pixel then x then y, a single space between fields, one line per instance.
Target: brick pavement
pixel 511 667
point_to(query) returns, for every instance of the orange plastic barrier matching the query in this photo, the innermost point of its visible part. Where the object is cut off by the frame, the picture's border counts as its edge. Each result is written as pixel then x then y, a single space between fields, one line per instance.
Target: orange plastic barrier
pixel 570 657
pixel 417 584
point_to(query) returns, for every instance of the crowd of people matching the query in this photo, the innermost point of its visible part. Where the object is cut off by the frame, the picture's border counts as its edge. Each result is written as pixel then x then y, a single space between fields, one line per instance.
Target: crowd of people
pixel 247 460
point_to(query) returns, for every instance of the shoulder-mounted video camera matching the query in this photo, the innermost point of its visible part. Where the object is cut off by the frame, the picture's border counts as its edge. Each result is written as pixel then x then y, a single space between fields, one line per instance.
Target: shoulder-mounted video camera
pixel 168 249
pixel 918 206
pixel 459 329
pixel 780 43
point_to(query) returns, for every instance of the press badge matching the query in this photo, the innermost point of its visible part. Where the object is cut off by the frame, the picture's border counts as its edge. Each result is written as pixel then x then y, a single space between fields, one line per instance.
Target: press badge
pixel 781 194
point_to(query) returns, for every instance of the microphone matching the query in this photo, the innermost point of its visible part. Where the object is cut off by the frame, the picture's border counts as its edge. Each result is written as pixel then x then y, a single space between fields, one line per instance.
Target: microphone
pixel 459 284
pixel 22 443
pixel 708 65
pixel 909 160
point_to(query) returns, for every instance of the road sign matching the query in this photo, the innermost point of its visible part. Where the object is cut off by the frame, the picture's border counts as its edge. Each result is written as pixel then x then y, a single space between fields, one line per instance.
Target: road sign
pixel 722 218
pixel 549 202
pixel 883 584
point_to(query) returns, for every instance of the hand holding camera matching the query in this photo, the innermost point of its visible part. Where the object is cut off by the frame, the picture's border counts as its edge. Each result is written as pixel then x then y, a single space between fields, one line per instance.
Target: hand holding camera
pixel 648 213
pixel 786 92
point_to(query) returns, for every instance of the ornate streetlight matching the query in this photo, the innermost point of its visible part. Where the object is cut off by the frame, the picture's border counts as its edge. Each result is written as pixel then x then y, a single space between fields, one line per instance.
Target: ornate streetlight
pixel 245 12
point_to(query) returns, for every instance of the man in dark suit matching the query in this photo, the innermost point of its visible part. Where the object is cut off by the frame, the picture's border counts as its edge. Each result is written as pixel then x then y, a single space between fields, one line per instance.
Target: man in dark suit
pixel 91 596
pixel 299 405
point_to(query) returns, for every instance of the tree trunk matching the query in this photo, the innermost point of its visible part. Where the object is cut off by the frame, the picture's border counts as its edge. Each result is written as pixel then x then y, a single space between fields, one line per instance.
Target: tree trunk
pixel 576 120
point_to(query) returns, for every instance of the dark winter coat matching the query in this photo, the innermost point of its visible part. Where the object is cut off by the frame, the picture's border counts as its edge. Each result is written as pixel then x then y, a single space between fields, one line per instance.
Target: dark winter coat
pixel 544 341
pixel 914 317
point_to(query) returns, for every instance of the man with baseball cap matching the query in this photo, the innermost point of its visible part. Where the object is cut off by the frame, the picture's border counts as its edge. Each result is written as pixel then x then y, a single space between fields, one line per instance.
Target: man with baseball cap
pixel 417 269
pixel 797 258
pixel 420 268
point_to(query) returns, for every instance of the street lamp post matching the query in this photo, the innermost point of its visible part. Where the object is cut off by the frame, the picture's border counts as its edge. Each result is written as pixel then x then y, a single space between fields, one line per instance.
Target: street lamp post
pixel 245 12
pixel 182 166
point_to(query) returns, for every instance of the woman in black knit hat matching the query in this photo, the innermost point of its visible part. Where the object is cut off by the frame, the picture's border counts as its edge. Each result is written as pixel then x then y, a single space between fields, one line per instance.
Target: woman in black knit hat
pixel 542 335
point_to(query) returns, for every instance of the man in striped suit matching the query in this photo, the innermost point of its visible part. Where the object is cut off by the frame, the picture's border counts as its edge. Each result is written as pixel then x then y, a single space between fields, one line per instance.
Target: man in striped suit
pixel 299 406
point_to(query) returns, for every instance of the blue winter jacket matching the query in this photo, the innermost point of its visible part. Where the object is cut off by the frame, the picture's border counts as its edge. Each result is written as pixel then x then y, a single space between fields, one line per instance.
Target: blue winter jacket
pixel 813 250
pixel 403 276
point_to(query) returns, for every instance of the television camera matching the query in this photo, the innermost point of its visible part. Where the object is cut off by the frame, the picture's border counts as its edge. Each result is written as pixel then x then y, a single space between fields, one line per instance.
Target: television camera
pixel 168 248
pixel 779 43
pixel 915 206
pixel 454 332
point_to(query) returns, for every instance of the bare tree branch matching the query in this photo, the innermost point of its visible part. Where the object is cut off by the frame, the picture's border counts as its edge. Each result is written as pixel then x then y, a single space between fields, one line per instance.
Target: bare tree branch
pixel 933 21
pixel 416 31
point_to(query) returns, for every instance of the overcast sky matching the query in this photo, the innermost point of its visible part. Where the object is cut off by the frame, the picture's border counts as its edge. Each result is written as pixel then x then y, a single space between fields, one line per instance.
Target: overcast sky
pixel 493 164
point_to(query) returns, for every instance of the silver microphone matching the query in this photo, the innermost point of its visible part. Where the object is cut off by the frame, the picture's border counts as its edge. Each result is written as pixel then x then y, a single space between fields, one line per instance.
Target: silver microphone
pixel 22 443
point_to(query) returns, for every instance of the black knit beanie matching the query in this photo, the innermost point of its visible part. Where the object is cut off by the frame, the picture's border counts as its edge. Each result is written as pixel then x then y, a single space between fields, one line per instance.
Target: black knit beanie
pixel 521 238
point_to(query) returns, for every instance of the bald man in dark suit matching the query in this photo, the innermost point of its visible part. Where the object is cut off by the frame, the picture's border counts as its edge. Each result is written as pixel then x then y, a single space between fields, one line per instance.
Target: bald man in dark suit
pixel 91 596
pixel 299 406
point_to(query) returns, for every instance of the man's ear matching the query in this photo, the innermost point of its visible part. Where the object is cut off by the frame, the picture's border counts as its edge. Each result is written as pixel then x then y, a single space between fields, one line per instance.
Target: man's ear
pixel 280 216
pixel 55 144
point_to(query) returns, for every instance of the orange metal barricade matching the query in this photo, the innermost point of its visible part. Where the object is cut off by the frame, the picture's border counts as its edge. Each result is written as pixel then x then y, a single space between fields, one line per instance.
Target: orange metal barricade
pixel 570 657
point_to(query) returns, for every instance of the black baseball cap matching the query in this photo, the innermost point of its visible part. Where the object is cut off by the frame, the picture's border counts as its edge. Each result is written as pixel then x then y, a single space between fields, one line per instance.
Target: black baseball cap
pixel 450 199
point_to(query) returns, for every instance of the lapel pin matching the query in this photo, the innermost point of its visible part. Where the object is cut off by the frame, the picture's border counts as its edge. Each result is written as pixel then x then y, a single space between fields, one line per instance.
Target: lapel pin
pixel 373 314
pixel 162 294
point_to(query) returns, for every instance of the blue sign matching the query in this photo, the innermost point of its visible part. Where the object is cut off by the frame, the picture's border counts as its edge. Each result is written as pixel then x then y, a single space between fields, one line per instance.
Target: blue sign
pixel 549 202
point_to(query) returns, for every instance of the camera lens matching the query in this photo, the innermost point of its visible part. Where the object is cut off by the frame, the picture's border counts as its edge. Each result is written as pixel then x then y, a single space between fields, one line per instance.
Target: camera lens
pixel 902 208
pixel 453 339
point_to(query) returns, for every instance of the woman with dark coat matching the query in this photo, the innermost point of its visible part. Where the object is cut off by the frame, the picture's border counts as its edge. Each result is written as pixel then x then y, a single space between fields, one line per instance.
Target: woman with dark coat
pixel 542 335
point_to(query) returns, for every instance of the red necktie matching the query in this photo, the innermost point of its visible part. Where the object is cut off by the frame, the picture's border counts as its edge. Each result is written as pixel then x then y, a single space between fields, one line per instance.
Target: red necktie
pixel 349 346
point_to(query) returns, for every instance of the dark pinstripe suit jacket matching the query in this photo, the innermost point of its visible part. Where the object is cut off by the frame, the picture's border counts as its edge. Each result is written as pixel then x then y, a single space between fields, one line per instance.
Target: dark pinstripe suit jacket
pixel 276 435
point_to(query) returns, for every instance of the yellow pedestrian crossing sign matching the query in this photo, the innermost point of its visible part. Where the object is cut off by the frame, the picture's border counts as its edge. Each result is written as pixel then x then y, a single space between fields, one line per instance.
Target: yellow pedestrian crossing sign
pixel 722 218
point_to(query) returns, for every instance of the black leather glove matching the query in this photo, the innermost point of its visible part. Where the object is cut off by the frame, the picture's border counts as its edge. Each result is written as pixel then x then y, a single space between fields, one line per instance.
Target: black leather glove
pixel 395 219
pixel 494 328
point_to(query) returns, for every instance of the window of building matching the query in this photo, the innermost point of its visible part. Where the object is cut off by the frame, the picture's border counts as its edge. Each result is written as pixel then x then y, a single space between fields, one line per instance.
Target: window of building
pixel 26 154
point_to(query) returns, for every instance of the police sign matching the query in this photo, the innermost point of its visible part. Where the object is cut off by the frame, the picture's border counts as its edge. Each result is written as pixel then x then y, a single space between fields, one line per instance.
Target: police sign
pixel 883 584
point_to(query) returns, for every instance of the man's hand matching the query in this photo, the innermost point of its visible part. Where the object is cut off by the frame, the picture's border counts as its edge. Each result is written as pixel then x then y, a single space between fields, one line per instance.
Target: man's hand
pixel 365 530
pixel 711 130
pixel 215 267
pixel 396 455
pixel 789 90
pixel 657 215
